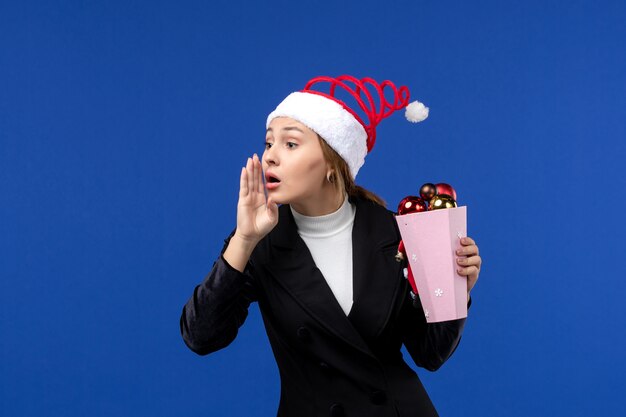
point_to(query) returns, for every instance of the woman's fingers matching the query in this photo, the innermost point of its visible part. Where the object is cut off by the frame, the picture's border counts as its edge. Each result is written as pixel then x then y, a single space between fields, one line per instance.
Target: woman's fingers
pixel 470 264
pixel 243 183
pixel 251 180
pixel 255 174
pixel 251 183
pixel 471 261
pixel 470 270
pixel 467 241
pixel 254 179
pixel 468 250
pixel 469 247
pixel 260 189
pixel 250 175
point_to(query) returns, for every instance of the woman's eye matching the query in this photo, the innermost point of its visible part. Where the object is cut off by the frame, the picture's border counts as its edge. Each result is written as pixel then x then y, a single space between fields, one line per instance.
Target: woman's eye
pixel 268 145
pixel 291 145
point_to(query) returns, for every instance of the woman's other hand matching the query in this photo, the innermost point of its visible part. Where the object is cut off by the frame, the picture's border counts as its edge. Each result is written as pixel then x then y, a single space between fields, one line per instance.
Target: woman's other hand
pixel 469 262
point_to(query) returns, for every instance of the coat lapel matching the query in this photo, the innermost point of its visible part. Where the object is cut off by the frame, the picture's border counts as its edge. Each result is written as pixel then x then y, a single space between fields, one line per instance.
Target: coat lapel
pixel 377 274
pixel 374 286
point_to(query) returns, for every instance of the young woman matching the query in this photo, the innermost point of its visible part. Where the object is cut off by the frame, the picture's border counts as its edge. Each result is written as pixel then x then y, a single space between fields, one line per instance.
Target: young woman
pixel 322 267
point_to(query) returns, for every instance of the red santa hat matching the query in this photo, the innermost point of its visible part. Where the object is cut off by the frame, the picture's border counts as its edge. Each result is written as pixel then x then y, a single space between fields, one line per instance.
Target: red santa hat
pixel 339 125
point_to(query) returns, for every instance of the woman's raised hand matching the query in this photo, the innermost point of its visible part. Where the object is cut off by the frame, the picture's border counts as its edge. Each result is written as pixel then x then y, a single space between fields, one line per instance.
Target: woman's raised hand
pixel 256 217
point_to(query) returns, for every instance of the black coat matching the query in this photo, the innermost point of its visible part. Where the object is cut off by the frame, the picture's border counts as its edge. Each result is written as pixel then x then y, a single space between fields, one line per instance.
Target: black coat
pixel 330 364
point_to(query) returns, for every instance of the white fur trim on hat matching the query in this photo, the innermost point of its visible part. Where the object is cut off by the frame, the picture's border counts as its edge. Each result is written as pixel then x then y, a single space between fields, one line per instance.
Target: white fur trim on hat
pixel 331 121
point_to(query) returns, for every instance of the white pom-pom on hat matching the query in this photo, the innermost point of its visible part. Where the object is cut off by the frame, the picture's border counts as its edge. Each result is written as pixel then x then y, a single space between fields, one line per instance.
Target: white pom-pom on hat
pixel 416 112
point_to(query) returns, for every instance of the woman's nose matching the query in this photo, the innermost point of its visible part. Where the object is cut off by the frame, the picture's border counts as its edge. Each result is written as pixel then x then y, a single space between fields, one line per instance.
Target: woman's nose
pixel 269 157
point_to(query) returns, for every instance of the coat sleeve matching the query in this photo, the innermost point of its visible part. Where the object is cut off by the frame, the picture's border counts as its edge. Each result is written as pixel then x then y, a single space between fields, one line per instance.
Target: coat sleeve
pixel 218 306
pixel 429 344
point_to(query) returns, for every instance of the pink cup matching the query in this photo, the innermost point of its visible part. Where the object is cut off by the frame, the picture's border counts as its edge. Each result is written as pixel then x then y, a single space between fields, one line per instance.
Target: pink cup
pixel 431 239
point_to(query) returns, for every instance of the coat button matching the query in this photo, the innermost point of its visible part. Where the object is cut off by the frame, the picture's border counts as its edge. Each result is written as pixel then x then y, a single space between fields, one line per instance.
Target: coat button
pixel 303 333
pixel 378 397
pixel 336 410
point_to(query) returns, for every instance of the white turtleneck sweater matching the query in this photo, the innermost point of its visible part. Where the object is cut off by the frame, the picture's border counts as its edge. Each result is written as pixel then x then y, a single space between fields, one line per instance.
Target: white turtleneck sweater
pixel 329 239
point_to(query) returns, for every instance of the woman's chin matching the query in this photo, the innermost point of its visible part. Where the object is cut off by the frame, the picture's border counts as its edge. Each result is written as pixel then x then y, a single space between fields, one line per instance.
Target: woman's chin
pixel 276 198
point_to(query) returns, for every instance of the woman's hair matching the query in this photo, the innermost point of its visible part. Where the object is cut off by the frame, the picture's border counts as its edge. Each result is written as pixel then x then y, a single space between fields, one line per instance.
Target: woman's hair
pixel 342 179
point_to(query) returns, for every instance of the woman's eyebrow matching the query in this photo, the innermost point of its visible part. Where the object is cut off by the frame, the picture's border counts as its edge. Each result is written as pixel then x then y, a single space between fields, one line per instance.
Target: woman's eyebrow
pixel 287 128
pixel 293 128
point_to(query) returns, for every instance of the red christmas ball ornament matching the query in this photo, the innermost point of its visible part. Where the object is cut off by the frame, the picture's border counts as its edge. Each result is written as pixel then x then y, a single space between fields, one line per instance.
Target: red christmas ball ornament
pixel 401 255
pixel 411 204
pixel 401 247
pixel 428 191
pixel 411 278
pixel 421 205
pixel 443 188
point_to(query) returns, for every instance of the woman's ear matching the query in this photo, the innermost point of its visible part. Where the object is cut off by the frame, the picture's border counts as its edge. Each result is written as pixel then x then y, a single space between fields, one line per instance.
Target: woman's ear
pixel 329 171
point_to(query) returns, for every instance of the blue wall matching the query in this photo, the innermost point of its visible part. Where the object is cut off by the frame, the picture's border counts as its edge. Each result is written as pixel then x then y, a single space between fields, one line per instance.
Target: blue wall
pixel 123 129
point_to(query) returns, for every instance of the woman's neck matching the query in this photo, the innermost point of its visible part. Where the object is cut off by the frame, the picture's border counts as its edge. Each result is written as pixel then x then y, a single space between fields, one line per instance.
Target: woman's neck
pixel 319 206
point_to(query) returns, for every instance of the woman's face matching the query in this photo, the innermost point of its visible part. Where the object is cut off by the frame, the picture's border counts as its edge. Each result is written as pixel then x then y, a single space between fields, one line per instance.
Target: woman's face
pixel 294 165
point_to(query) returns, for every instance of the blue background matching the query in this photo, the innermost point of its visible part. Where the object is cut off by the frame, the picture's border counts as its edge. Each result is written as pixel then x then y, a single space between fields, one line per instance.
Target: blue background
pixel 123 129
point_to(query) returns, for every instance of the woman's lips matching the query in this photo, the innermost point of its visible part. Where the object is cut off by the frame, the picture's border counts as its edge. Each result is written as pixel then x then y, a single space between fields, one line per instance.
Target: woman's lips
pixel 271 181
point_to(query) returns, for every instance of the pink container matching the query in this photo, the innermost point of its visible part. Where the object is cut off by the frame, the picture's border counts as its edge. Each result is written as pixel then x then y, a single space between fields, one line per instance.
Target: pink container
pixel 431 239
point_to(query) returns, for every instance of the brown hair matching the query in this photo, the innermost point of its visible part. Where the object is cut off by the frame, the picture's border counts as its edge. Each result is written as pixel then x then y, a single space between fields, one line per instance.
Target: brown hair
pixel 342 179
